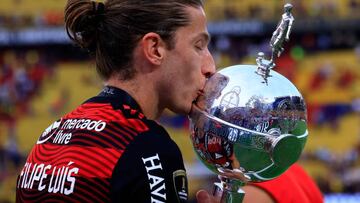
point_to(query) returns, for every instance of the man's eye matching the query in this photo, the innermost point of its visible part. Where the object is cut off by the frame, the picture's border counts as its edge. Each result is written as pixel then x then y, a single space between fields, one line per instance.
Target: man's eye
pixel 199 47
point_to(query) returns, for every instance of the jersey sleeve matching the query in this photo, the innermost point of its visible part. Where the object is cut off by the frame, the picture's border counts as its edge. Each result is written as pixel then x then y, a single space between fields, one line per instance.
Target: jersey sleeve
pixel 151 169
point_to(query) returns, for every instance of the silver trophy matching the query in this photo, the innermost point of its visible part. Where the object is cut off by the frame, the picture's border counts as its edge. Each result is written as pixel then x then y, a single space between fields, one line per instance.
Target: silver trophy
pixel 250 123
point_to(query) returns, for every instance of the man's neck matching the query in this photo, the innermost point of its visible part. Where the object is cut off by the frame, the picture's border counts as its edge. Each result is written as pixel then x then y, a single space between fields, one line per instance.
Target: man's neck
pixel 143 91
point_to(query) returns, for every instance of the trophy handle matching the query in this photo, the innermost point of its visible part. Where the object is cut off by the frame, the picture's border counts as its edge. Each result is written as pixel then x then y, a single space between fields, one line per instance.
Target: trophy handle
pixel 229 190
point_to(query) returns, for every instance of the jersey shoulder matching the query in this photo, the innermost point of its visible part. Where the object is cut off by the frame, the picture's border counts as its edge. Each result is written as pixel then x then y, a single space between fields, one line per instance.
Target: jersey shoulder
pixel 150 169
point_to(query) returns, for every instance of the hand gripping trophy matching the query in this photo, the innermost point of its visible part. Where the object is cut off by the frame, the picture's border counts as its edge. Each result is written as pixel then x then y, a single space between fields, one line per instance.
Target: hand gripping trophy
pixel 250 123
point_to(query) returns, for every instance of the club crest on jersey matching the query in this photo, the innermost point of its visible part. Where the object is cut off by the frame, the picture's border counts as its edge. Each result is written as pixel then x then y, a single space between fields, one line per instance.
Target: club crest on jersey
pixel 181 185
pixel 49 132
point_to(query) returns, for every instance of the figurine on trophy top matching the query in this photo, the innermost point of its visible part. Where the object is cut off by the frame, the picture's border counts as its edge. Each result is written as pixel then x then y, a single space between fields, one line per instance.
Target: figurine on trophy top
pixel 279 36
pixel 264 66
pixel 282 32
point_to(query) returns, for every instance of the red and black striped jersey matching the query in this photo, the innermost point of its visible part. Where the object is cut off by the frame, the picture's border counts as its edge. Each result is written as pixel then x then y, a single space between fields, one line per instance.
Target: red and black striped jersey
pixel 105 150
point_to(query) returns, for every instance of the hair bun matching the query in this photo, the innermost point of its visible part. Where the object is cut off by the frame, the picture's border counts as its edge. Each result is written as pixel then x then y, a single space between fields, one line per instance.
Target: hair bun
pixel 83 22
pixel 98 8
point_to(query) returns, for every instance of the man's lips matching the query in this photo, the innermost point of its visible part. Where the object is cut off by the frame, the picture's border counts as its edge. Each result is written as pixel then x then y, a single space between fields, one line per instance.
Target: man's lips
pixel 198 95
pixel 201 92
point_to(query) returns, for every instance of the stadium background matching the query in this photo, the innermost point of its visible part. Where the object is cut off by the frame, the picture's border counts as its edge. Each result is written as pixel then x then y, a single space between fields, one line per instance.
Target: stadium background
pixel 43 76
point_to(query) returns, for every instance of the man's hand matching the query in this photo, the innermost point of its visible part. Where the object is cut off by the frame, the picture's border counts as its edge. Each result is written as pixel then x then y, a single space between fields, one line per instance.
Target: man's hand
pixel 253 194
pixel 203 196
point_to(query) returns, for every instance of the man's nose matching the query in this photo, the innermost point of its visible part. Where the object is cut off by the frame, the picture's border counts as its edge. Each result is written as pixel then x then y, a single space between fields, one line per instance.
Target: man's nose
pixel 208 66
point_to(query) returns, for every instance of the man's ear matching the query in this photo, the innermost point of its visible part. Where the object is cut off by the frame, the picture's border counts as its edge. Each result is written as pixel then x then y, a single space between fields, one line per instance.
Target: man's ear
pixel 153 48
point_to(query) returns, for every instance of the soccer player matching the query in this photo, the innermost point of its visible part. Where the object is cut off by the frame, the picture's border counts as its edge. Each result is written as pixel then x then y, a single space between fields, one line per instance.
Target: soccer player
pixel 152 55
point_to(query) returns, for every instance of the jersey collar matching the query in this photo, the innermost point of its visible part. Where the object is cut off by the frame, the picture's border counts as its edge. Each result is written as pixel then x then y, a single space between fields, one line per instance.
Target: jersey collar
pixel 121 97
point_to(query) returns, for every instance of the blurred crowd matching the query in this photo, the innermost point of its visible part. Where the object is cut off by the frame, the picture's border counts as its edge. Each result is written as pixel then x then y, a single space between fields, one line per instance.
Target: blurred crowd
pixel 269 10
pixel 343 175
pixel 21 78
pixel 45 19
pixel 24 13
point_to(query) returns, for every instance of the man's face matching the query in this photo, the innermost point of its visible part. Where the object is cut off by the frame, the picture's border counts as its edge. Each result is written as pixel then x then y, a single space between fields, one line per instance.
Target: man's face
pixel 187 65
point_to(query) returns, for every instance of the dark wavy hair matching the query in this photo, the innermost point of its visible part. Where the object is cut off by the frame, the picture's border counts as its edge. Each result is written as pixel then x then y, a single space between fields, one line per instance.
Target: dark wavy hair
pixel 111 30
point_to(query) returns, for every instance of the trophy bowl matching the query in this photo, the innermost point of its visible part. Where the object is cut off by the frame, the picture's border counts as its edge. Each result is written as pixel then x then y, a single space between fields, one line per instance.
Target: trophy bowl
pixel 248 125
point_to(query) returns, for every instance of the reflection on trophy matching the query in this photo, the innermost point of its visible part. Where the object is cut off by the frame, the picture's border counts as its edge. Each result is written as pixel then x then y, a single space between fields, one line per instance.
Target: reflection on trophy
pixel 250 123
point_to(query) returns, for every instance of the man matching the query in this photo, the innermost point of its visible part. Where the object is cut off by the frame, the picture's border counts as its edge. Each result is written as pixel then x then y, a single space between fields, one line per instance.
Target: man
pixel 152 55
